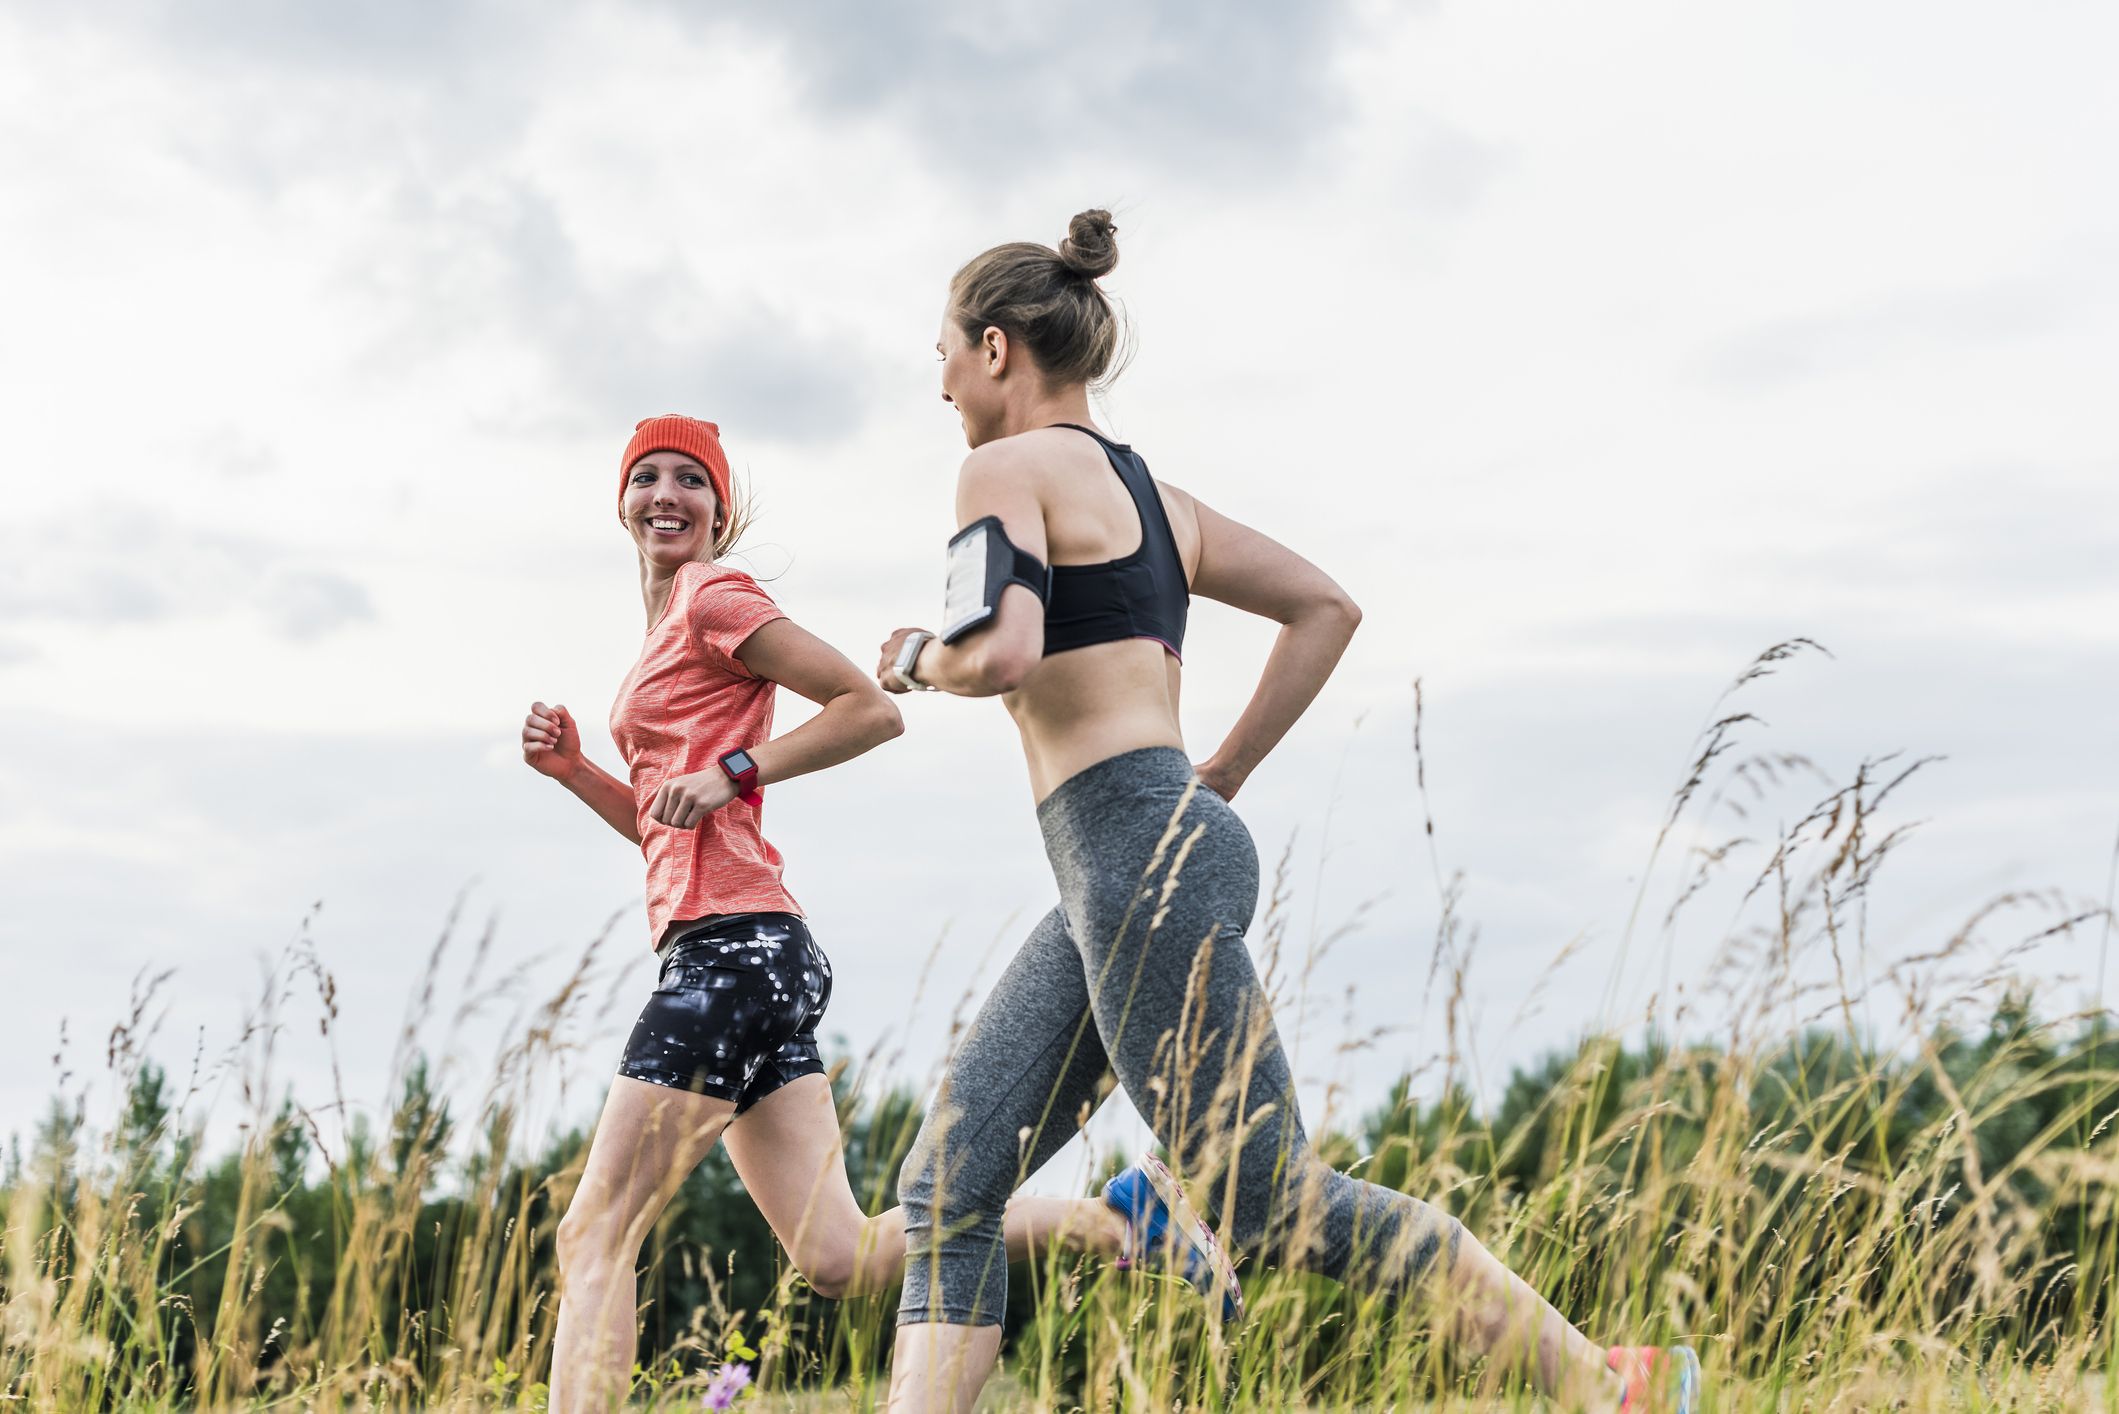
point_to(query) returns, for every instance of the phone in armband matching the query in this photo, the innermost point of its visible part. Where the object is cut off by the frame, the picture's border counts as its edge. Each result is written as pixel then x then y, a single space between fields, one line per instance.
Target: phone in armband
pixel 983 561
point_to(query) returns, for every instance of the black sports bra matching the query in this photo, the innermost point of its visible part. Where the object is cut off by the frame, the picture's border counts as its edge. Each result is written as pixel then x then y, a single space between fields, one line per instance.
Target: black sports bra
pixel 1141 595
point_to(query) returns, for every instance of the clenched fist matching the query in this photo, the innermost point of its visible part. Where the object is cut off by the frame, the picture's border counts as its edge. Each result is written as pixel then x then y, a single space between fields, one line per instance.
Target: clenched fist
pixel 684 801
pixel 551 743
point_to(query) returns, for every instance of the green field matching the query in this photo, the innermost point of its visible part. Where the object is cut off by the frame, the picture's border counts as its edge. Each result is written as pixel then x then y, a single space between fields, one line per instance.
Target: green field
pixel 1893 1196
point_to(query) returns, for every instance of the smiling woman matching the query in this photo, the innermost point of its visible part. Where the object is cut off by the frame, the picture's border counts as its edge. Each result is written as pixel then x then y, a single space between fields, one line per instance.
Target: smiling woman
pixel 674 482
pixel 725 1050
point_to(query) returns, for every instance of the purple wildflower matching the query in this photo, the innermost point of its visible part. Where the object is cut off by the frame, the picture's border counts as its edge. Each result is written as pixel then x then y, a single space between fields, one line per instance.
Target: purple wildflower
pixel 728 1382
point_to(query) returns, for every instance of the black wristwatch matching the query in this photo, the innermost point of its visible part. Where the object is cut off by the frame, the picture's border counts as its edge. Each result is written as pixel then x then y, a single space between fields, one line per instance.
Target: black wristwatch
pixel 744 772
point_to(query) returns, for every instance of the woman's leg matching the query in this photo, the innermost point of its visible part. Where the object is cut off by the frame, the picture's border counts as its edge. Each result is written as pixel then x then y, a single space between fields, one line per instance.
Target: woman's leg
pixel 1025 1077
pixel 1191 1035
pixel 787 1150
pixel 649 1139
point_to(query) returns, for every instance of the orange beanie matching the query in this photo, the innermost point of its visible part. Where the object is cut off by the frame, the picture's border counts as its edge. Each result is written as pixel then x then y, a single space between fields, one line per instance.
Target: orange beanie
pixel 674 432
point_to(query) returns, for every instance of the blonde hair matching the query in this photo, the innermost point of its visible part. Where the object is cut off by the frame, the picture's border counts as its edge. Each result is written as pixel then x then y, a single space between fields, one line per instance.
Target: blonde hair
pixel 737 516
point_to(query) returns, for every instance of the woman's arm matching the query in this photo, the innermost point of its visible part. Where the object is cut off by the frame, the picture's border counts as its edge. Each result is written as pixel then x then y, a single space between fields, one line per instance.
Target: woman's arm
pixel 856 717
pixel 1240 567
pixel 996 657
pixel 551 744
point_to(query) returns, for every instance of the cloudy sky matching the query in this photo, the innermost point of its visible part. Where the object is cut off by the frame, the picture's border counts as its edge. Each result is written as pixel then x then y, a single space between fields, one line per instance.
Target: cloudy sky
pixel 1593 348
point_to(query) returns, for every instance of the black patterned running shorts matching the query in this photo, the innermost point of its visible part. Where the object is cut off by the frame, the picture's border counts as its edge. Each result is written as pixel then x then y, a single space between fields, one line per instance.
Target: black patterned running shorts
pixel 736 1013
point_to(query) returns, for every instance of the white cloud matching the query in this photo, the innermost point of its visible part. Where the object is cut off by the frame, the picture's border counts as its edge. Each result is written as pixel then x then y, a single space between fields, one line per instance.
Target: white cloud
pixel 107 567
pixel 1238 91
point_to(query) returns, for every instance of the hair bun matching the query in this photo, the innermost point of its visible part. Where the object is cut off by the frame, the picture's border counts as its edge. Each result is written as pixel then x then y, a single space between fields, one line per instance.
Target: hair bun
pixel 1091 245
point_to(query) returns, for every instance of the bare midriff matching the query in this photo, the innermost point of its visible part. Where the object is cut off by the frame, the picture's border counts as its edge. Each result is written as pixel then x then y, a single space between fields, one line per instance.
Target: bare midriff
pixel 1087 705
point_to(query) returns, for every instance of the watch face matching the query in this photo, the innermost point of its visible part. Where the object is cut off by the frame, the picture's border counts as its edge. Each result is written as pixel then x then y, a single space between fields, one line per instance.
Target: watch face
pixel 737 762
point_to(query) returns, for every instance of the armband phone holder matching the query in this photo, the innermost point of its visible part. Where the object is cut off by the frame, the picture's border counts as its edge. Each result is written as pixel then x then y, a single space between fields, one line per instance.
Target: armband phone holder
pixel 983 561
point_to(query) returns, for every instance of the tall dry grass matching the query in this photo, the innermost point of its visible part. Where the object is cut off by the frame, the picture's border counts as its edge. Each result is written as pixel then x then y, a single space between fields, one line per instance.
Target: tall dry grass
pixel 1853 1182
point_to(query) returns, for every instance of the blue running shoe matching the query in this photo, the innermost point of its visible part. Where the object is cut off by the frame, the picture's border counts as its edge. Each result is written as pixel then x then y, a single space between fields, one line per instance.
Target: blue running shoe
pixel 1162 1227
pixel 1659 1379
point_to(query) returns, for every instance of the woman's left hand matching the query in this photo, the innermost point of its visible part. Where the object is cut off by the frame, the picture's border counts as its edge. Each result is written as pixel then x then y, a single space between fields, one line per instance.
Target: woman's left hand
pixel 684 801
pixel 1214 777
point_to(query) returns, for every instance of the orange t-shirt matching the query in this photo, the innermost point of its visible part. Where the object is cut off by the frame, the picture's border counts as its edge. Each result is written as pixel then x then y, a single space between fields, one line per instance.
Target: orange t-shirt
pixel 688 702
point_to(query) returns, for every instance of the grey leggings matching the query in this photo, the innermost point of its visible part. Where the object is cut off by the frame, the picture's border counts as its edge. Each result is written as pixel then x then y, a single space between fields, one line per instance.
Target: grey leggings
pixel 1141 970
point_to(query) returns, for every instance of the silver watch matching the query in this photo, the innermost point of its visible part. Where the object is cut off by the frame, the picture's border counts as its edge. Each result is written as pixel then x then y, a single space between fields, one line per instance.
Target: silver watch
pixel 909 654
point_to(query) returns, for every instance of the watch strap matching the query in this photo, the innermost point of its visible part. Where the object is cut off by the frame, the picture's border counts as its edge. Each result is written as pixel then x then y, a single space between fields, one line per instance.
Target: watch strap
pixel 908 656
pixel 746 781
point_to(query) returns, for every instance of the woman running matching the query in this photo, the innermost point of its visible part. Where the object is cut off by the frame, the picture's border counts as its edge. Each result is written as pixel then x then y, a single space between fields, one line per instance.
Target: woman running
pixel 726 1048
pixel 1142 969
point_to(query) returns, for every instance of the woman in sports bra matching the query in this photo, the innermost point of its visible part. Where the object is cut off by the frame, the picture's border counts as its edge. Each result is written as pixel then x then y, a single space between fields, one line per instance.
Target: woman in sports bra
pixel 726 1048
pixel 1142 969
